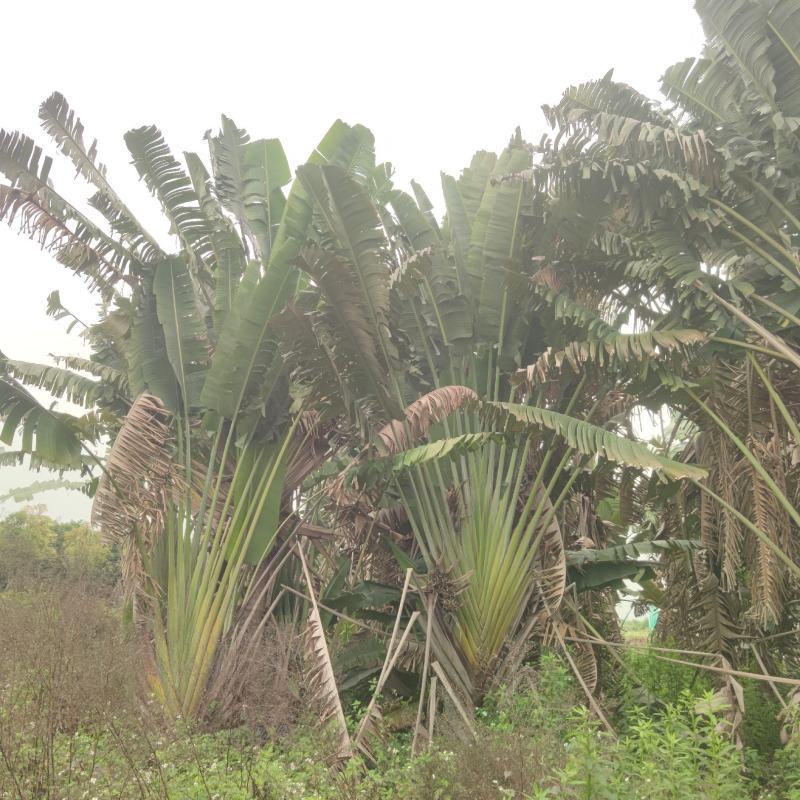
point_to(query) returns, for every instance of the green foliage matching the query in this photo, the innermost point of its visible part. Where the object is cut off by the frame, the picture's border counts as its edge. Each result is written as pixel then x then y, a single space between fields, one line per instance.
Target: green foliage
pixel 32 545
pixel 654 250
pixel 533 741
pixel 675 754
pixel 86 556
pixel 26 545
pixel 652 682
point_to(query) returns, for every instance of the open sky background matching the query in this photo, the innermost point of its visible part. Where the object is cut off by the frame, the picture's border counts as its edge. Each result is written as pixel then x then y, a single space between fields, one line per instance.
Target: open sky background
pixel 435 80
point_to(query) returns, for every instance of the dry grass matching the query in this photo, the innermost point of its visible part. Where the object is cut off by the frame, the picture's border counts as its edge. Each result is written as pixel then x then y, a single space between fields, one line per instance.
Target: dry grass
pixel 66 664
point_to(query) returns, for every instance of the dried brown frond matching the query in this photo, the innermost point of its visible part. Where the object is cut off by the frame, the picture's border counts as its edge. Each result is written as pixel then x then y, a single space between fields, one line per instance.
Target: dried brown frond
pixel 716 630
pixel 557 631
pixel 133 492
pixel 424 412
pixel 769 578
pixel 551 563
pixel 35 220
pixel 320 678
pixel 311 447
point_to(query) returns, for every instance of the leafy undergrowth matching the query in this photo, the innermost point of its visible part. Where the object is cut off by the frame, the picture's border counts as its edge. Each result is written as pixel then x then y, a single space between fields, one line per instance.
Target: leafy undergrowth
pixel 73 725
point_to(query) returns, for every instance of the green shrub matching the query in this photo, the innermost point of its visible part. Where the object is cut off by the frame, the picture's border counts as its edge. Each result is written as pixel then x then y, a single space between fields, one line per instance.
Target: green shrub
pixel 673 755
pixel 651 681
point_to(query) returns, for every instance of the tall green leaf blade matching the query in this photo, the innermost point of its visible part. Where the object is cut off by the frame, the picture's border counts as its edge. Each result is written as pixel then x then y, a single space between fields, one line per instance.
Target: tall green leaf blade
pixel 245 348
pixel 354 266
pixel 47 434
pixel 166 180
pixel 460 230
pixel 495 243
pixel 184 331
pixel 148 363
pixel 228 249
pixel 590 440
pixel 249 177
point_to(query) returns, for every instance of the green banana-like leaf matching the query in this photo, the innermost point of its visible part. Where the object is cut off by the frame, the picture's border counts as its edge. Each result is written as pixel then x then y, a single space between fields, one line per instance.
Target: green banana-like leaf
pixel 245 347
pixel 738 28
pixel 57 381
pixel 229 254
pixel 783 22
pixel 258 459
pixel 149 365
pixel 474 181
pixel 61 123
pixel 15 458
pixel 351 269
pixel 44 214
pixel 451 447
pixel 495 241
pixel 426 207
pixel 627 121
pixel 590 440
pixel 459 227
pixel 705 86
pixel 614 348
pixel 414 223
pixel 49 435
pixel 463 199
pixel 22 494
pixel 631 550
pixel 610 574
pixel 108 375
pixel 166 179
pixel 249 176
pixel 184 332
pixel 352 232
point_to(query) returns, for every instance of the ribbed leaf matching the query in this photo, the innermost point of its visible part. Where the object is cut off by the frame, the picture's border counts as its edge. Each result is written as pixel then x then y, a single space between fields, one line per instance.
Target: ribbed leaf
pixel 23 494
pixel 424 454
pixel 494 245
pixel 631 550
pixel 629 121
pixel 353 267
pixel 249 177
pixel 344 324
pixel 738 27
pixel 707 88
pixel 612 349
pixel 47 434
pixel 229 254
pixel 184 331
pixel 108 375
pixel 166 179
pixel 591 440
pixel 459 227
pixel 258 459
pixel 46 216
pixel 245 348
pixel 60 122
pixel 148 363
pixel 57 381
pixel 784 24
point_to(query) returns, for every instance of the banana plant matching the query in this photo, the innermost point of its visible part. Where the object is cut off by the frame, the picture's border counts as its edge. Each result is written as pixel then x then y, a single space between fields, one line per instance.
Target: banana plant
pixel 693 210
pixel 206 444
pixel 420 330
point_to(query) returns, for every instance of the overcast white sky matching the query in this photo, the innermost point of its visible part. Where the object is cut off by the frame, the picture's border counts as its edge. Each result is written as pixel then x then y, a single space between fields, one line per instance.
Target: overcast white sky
pixel 434 80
